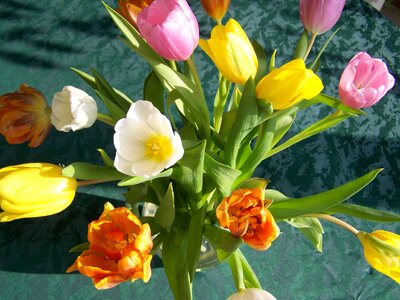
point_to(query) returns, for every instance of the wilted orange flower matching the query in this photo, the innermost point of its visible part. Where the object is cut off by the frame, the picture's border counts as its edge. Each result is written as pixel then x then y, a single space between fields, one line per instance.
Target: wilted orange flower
pixel 216 9
pixel 119 249
pixel 130 9
pixel 24 116
pixel 246 217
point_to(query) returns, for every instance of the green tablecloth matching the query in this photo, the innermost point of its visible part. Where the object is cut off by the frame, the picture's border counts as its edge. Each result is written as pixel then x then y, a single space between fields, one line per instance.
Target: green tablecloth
pixel 40 40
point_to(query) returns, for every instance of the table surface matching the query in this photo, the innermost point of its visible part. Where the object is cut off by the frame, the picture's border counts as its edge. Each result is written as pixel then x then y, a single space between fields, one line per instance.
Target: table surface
pixel 40 40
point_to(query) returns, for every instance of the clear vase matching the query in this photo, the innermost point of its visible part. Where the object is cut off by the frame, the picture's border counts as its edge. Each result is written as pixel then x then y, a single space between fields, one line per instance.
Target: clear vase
pixel 208 256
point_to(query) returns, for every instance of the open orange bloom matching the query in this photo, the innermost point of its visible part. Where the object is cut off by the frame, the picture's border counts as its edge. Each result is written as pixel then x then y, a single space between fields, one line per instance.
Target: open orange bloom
pixel 119 249
pixel 130 9
pixel 24 116
pixel 246 217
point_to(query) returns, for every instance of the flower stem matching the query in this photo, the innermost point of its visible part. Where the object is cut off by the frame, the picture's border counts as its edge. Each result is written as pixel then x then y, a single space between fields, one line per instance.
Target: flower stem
pixel 236 267
pixel 309 46
pixel 248 272
pixel 220 101
pixel 105 119
pixel 94 181
pixel 193 71
pixel 334 221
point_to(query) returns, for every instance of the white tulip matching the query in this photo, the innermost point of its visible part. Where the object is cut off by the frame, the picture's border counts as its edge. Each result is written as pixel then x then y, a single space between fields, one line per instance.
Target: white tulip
pixel 73 109
pixel 252 294
pixel 145 141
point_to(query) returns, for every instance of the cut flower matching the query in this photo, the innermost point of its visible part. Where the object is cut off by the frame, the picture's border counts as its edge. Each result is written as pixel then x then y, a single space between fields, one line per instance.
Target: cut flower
pixel 145 141
pixel 119 249
pixel 73 109
pixel 34 190
pixel 246 217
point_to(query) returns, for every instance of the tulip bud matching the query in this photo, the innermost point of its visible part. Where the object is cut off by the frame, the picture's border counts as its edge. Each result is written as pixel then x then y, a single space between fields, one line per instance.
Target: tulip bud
pixel 216 9
pixel 170 28
pixel 364 81
pixel 73 109
pixel 252 294
pixel 34 190
pixel 382 252
pixel 231 51
pixel 130 9
pixel 24 116
pixel 319 16
pixel 289 84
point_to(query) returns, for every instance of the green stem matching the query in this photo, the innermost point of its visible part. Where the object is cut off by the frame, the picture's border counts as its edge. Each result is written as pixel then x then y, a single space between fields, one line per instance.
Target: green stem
pixel 248 272
pixel 334 221
pixel 193 71
pixel 172 64
pixel 94 181
pixel 237 270
pixel 220 101
pixel 106 119
pixel 309 46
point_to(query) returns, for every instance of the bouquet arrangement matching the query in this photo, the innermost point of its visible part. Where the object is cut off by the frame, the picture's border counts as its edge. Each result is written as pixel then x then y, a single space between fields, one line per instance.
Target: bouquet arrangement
pixel 189 173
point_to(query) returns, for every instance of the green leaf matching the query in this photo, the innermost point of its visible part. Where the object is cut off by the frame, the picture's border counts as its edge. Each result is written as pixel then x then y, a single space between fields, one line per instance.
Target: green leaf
pixel 140 179
pixel 252 183
pixel 336 103
pixel 222 175
pixel 106 159
pixel 115 111
pixel 262 61
pixel 174 259
pixel 301 46
pixel 195 238
pixel 245 121
pixel 274 195
pixel 108 91
pixel 80 248
pixel 363 212
pixel 323 49
pixel 322 125
pixel 283 124
pixel 189 172
pixel 140 193
pixel 311 228
pixel 223 242
pixel 272 61
pixel 165 214
pixel 87 171
pixel 294 207
pixel 153 91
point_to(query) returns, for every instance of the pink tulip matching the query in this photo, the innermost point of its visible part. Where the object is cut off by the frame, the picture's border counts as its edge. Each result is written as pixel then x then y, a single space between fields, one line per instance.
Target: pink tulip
pixel 364 81
pixel 319 16
pixel 170 28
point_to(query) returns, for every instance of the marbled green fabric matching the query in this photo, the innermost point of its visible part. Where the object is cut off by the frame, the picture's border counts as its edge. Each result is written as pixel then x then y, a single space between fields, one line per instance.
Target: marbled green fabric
pixel 40 40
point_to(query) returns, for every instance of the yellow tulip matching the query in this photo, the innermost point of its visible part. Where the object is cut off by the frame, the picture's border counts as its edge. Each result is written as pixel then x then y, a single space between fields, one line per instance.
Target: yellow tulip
pixel 34 190
pixel 231 51
pixel 382 252
pixel 289 84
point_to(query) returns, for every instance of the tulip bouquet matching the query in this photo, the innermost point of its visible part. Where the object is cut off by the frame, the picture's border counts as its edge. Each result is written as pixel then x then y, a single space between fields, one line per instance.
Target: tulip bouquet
pixel 194 168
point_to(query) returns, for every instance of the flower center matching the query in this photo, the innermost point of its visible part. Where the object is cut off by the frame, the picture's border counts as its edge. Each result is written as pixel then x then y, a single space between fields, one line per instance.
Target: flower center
pixel 158 147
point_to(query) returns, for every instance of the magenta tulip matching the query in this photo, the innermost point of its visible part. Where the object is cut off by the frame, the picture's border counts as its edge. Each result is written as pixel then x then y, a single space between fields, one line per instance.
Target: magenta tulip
pixel 319 16
pixel 364 81
pixel 170 28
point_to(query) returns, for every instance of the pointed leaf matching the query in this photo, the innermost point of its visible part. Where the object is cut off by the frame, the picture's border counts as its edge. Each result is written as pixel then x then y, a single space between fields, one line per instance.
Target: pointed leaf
pixel 106 159
pixel 262 61
pixel 165 214
pixel 301 46
pixel 87 171
pixel 311 228
pixel 294 207
pixel 154 91
pixel 363 212
pixel 223 242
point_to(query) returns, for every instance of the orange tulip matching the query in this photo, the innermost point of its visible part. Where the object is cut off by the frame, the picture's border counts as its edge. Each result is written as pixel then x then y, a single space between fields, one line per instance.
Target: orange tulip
pixel 24 116
pixel 119 249
pixel 130 9
pixel 216 9
pixel 246 217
